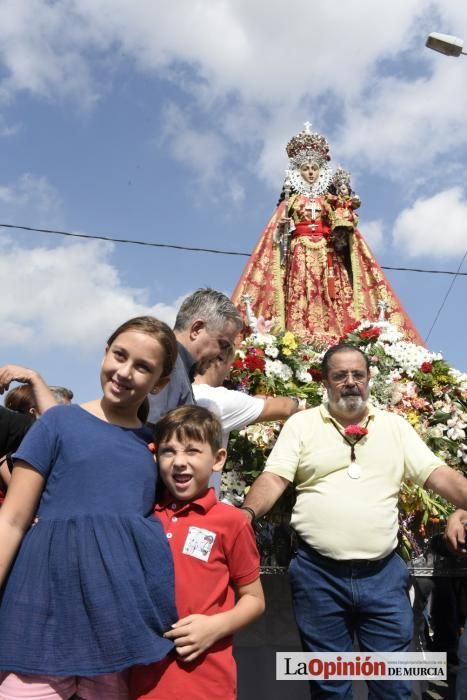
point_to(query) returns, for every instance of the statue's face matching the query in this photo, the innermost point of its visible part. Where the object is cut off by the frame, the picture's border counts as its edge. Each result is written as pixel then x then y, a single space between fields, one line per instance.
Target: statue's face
pixel 343 189
pixel 310 172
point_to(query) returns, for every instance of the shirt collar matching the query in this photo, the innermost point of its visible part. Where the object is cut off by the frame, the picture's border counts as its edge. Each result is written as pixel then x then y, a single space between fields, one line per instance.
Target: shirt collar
pixel 188 360
pixel 203 503
pixel 326 416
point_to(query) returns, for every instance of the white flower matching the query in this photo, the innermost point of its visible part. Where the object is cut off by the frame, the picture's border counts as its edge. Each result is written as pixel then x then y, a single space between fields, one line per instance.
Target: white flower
pixel 271 351
pixel 409 356
pixel 460 377
pixel 455 433
pixel 374 371
pixel 303 376
pixel 389 333
pixel 261 339
pixel 437 431
pixel 232 487
pixel 276 368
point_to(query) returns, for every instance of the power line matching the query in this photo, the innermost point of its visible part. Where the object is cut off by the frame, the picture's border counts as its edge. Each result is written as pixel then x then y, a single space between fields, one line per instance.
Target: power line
pixel 446 295
pixel 198 250
pixel 124 240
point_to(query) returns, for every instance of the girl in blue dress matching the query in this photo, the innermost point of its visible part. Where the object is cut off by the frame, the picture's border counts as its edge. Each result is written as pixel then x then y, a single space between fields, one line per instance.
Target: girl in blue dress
pixel 88 588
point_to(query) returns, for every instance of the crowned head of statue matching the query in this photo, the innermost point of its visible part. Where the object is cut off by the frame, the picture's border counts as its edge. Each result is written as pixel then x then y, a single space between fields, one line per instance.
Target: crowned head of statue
pixel 340 183
pixel 309 171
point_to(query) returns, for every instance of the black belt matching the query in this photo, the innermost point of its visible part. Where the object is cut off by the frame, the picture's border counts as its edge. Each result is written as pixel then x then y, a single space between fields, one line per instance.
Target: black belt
pixel 365 564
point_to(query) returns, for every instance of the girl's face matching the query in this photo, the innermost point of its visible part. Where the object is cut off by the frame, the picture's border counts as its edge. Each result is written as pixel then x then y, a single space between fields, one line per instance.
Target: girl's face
pixel 131 369
pixel 310 172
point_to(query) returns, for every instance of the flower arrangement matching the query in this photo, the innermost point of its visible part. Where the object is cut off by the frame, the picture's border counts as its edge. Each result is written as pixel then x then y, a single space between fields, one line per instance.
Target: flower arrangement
pixel 405 378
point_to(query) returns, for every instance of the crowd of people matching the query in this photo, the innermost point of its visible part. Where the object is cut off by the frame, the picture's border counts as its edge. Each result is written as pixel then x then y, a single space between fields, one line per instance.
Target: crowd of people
pixel 115 588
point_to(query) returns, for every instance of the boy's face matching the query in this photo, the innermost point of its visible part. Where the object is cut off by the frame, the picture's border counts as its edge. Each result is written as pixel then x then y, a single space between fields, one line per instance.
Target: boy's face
pixel 185 467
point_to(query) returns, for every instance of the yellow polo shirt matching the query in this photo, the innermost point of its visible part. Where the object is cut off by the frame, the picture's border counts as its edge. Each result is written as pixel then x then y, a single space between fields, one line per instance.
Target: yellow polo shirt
pixel 340 517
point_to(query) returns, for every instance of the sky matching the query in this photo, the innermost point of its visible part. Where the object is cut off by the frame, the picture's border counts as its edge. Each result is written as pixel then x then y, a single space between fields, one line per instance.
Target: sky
pixel 167 123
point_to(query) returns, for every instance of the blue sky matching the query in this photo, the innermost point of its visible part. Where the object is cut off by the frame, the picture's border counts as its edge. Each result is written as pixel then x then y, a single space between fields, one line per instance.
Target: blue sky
pixel 167 122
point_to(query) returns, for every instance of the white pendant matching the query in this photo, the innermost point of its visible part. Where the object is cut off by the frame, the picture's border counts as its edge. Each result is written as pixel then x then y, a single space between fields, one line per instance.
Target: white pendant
pixel 354 470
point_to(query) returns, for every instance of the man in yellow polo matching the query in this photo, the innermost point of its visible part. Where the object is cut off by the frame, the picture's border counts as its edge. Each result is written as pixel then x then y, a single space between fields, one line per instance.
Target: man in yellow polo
pixel 347 460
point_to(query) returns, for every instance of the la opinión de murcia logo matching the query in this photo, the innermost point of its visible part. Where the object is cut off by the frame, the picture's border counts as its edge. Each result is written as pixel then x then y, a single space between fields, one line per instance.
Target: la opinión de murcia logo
pixel 358 666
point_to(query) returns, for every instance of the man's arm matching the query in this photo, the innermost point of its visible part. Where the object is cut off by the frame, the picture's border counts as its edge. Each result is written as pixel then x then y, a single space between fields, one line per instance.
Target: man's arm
pixel 195 634
pixel 279 408
pixel 4 473
pixel 455 531
pixel 42 394
pixel 264 492
pixel 450 484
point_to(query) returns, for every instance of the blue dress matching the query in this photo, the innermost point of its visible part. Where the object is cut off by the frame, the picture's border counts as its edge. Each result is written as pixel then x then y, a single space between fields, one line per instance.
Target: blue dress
pixel 91 590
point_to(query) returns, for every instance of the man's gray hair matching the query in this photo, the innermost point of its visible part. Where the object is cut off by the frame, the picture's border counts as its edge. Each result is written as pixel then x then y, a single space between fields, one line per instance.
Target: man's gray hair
pixel 210 306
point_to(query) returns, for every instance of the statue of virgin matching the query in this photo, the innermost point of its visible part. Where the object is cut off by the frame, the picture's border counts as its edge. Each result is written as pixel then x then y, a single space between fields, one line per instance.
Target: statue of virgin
pixel 311 271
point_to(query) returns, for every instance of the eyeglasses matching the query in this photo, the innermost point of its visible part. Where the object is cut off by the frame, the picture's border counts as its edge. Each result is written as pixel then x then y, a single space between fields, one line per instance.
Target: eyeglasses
pixel 340 377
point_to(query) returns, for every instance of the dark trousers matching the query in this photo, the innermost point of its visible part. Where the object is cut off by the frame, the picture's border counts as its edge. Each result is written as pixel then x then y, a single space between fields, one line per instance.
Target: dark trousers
pixel 336 601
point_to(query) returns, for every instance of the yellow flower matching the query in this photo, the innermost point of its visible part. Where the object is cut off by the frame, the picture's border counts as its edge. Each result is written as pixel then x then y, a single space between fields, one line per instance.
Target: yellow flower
pixel 289 340
pixel 286 351
pixel 413 418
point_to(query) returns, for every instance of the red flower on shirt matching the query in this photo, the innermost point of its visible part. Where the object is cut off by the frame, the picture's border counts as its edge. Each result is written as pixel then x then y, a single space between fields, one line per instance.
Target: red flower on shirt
pixel 355 431
pixel 152 447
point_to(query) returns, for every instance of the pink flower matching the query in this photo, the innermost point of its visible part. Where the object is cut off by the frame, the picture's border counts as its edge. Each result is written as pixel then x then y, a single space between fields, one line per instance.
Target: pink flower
pixel 263 325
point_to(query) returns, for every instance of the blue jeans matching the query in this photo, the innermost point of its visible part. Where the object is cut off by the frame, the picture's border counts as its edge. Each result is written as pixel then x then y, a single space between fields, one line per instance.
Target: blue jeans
pixel 334 601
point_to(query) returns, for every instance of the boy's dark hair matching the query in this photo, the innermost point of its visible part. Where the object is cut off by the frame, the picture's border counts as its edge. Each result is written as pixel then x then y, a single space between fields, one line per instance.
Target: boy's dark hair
pixel 340 347
pixel 190 423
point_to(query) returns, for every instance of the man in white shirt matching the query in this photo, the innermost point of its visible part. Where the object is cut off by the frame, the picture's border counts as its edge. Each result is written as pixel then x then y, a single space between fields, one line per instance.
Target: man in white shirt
pixel 235 409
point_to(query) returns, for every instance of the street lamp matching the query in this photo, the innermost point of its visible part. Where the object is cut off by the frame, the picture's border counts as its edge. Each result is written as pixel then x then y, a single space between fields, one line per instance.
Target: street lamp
pixel 445 43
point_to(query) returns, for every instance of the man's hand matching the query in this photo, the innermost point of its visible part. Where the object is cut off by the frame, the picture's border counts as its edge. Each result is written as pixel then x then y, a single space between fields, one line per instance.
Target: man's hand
pixel 194 634
pixel 15 373
pixel 454 534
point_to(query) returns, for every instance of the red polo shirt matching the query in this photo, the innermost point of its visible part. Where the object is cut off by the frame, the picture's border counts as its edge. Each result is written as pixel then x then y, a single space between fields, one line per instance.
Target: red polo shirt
pixel 213 547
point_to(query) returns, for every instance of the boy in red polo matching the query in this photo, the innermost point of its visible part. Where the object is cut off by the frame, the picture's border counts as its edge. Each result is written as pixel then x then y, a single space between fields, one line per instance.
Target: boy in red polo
pixel 214 549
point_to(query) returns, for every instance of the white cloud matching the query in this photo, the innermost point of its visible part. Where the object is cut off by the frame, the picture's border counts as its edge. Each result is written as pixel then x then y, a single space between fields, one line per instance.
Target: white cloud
pixel 436 226
pixel 199 149
pixel 256 70
pixel 6 129
pixel 30 199
pixel 373 232
pixel 407 124
pixel 67 296
pixel 41 45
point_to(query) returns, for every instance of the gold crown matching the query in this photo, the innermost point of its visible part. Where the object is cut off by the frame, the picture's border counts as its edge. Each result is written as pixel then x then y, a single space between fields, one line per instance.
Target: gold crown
pixel 308 145
pixel 340 177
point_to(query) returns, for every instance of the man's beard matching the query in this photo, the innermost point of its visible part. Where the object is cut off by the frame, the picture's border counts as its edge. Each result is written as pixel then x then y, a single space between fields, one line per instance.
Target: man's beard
pixel 351 404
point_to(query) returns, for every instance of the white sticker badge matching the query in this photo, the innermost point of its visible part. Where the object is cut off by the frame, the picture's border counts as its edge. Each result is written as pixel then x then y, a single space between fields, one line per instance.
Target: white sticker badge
pixel 199 543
